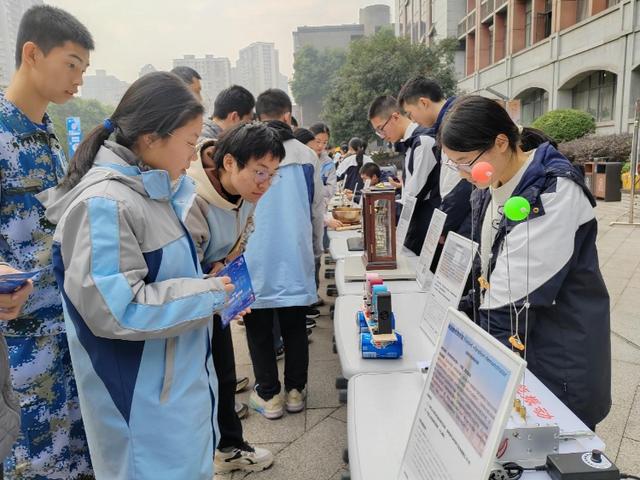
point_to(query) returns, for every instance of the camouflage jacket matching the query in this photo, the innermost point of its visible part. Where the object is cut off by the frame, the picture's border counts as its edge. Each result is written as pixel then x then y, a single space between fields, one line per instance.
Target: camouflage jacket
pixel 31 161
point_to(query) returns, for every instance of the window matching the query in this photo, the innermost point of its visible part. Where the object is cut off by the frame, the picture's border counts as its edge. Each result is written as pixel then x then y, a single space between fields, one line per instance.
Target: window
pixel 611 3
pixel 535 102
pixel 528 15
pixel 582 10
pixel 547 15
pixel 596 94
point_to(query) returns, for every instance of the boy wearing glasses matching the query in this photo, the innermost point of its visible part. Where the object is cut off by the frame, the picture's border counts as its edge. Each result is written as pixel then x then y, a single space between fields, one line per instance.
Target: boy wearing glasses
pixel 425 103
pixel 421 166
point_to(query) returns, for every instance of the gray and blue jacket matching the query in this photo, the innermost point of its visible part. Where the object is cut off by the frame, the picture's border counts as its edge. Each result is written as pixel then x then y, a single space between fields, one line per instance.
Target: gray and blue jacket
pixel 138 314
pixel 568 334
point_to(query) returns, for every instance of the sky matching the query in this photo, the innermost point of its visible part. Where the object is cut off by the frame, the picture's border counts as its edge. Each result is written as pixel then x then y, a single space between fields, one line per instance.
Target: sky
pixel 130 34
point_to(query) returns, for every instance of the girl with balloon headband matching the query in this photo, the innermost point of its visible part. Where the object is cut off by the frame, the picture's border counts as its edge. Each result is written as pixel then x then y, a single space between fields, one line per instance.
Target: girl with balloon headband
pixel 537 281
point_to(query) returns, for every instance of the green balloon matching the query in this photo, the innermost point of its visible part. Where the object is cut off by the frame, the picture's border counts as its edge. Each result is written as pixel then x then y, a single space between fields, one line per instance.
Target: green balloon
pixel 517 209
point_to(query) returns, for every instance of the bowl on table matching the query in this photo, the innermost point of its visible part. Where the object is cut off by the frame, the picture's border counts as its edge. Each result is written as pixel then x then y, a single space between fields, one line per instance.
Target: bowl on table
pixel 347 215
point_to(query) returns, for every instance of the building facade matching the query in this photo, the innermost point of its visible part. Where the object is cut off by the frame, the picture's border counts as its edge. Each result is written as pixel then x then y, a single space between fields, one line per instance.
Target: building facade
pixel 258 68
pixel 106 89
pixel 374 17
pixel 327 36
pixel 430 21
pixel 11 12
pixel 552 54
pixel 215 73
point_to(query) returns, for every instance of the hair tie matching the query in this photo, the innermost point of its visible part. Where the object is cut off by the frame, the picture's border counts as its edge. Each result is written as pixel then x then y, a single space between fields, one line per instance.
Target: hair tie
pixel 109 125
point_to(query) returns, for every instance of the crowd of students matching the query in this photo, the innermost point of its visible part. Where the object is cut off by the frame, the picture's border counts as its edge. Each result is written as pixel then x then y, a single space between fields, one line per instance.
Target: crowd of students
pixel 115 362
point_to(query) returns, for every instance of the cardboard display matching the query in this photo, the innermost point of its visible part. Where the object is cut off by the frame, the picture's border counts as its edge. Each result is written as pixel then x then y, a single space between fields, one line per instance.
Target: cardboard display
pixel 447 286
pixel 423 272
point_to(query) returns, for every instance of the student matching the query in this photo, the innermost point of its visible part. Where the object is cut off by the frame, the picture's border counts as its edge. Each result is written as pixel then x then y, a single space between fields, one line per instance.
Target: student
pixel 425 103
pixel 549 261
pixel 227 105
pixel 228 186
pixel 233 105
pixel 421 168
pixel 280 256
pixel 192 78
pixel 321 135
pixel 349 168
pixel 373 173
pixel 52 54
pixel 308 138
pixel 138 321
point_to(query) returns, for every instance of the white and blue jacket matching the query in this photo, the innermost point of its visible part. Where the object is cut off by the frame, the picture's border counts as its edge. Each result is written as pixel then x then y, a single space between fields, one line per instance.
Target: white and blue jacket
pixel 568 336
pixel 138 317
pixel 288 232
pixel 219 228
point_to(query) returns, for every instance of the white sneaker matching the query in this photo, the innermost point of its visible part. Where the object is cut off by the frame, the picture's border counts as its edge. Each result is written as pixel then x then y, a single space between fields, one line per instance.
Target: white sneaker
pixel 295 401
pixel 244 457
pixel 271 409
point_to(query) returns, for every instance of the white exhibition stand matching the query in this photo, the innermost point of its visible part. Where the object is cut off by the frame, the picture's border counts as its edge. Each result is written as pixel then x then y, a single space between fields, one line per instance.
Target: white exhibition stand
pixel 408 309
pixel 380 413
pixel 338 248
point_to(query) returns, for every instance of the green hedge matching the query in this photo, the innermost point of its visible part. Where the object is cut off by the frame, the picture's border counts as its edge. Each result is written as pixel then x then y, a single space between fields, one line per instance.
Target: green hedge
pixel 565 125
pixel 616 147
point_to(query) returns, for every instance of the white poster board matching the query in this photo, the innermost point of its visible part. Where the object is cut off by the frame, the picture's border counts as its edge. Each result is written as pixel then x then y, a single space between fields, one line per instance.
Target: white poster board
pixel 467 398
pixel 405 219
pixel 423 274
pixel 448 283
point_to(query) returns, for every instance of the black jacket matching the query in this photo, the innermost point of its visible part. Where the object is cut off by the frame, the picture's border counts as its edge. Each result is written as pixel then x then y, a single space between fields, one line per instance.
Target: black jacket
pixel 568 344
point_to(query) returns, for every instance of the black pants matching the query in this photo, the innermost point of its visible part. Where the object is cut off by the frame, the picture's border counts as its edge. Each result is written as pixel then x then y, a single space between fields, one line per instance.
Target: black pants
pixel 225 364
pixel 259 326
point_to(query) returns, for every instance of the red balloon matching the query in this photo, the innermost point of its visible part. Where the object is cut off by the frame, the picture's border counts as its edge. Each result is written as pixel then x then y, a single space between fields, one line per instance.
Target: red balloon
pixel 482 172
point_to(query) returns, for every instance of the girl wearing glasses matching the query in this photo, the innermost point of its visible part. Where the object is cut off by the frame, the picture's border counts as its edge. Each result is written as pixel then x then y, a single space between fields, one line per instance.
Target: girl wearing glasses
pixel 137 308
pixel 537 281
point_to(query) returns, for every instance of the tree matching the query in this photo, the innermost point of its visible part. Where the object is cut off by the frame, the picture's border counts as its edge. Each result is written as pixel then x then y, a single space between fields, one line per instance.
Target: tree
pixel 91 113
pixel 314 71
pixel 380 65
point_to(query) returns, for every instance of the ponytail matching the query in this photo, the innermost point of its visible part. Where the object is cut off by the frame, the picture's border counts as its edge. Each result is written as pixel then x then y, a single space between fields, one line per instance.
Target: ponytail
pixel 157 103
pixel 531 138
pixel 85 155
pixel 359 146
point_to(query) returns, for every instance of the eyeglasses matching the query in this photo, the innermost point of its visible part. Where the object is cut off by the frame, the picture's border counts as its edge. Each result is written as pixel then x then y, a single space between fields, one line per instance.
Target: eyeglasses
pixel 262 176
pixel 465 167
pixel 380 130
pixel 186 142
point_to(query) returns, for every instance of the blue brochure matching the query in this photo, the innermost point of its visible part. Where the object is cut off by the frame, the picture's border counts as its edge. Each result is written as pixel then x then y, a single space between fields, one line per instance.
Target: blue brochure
pixel 12 282
pixel 243 296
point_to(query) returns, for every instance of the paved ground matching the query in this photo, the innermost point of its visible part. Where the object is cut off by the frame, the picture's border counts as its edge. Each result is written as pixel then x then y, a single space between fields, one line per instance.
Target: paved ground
pixel 309 445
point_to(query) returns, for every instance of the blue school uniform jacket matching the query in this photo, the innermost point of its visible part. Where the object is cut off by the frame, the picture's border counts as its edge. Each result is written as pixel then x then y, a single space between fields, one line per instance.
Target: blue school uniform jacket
pixel 138 317
pixel 568 336
pixel 280 252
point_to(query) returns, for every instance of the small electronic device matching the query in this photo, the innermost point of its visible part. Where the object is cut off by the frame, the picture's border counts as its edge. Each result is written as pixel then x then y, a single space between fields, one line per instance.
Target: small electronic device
pixel 383 313
pixel 592 465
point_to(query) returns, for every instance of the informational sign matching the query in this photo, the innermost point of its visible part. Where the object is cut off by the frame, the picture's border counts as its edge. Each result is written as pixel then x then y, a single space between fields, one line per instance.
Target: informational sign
pixel 464 407
pixel 405 219
pixel 423 272
pixel 448 283
pixel 74 134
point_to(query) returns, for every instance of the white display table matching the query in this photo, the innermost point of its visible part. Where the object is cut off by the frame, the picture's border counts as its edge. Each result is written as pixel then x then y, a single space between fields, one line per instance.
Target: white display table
pixel 338 248
pixel 356 288
pixel 381 409
pixel 407 309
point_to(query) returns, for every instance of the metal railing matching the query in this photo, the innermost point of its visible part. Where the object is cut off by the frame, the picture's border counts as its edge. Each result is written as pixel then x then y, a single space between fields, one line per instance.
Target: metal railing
pixel 486 9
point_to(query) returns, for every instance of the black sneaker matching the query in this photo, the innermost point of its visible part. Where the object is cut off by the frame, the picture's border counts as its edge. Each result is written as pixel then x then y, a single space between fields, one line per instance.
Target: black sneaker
pixel 280 352
pixel 312 313
pixel 311 323
pixel 319 303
